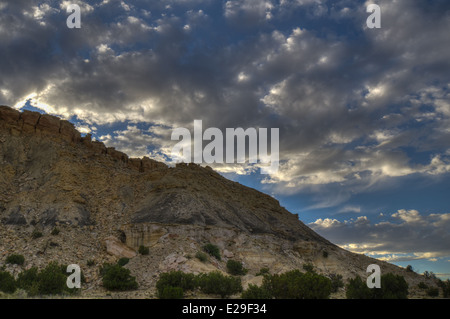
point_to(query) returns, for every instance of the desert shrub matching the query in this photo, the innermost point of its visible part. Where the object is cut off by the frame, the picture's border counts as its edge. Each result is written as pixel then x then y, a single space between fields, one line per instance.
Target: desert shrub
pixel 445 285
pixel 104 268
pixel 357 289
pixel 55 231
pixel 123 261
pixel 27 278
pixel 336 282
pixel 216 283
pixel 429 274
pixel 325 254
pixel 422 285
pixel 171 293
pixel 90 262
pixel 308 268
pixel 263 272
pixel 392 287
pixel 7 282
pixel 409 268
pixel 201 256
pixel 446 289
pixel 52 280
pixel 15 259
pixel 175 279
pixel 36 234
pixel 314 286
pixel 433 292
pixel 143 250
pixel 297 285
pixel 212 250
pixel 235 268
pixel 255 292
pixel 117 278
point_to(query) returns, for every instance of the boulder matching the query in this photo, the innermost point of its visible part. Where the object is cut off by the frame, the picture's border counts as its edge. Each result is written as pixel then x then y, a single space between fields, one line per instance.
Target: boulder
pixel 135 163
pixel 116 248
pixel 29 121
pixel 150 164
pixel 68 132
pixel 87 140
pixel 117 154
pixel 48 125
pixel 228 254
pixel 98 147
pixel 9 115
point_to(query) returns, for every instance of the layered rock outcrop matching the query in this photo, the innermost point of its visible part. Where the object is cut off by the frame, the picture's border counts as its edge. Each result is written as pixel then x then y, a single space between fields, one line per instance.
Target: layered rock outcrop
pixel 37 124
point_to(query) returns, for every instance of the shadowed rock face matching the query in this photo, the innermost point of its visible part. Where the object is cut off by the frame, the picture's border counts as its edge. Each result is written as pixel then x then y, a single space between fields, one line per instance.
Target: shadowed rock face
pixel 198 196
pixel 15 218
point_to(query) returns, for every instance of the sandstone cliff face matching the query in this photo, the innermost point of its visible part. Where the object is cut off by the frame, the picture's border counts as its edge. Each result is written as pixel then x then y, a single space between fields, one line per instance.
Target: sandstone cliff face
pixel 34 124
pixel 106 205
pixel 61 172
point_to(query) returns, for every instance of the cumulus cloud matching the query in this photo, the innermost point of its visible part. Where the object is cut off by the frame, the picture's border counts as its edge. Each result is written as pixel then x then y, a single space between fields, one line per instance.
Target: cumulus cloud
pixel 347 103
pixel 404 235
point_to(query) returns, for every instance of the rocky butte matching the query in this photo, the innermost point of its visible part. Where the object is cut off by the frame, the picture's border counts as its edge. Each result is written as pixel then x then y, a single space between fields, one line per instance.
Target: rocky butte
pixel 106 205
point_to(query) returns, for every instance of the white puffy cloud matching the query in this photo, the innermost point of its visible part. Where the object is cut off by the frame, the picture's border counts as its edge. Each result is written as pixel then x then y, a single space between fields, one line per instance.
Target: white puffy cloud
pixel 406 235
pixel 346 107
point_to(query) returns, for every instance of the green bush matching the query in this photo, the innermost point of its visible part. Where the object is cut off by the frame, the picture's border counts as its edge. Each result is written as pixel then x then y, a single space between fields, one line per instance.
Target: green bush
pixel 255 292
pixel 123 261
pixel 445 285
pixel 175 279
pixel 392 287
pixel 51 280
pixel 117 278
pixel 336 282
pixel 104 268
pixel 27 278
pixel 263 272
pixel 212 283
pixel 433 292
pixel 422 285
pixel 143 250
pixel 216 283
pixel 90 262
pixel 297 285
pixel 357 289
pixel 7 282
pixel 201 256
pixel 15 259
pixel 171 293
pixel 36 234
pixel 429 274
pixel 308 268
pixel 235 268
pixel 212 250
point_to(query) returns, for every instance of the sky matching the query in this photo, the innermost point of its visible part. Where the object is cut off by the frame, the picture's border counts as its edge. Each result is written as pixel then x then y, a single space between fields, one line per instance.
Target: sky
pixel 363 113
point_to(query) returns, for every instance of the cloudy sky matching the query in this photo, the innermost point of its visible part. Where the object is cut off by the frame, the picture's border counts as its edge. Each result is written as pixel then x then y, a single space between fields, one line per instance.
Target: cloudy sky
pixel 363 114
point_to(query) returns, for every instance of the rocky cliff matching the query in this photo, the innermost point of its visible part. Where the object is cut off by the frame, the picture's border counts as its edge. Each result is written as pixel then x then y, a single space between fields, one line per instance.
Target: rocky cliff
pixel 106 205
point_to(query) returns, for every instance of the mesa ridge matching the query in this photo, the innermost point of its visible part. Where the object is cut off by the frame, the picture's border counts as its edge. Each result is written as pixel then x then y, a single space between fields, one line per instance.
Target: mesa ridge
pixel 106 205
